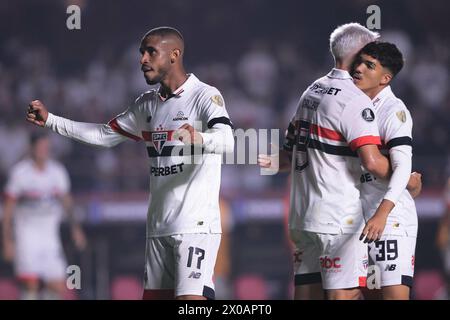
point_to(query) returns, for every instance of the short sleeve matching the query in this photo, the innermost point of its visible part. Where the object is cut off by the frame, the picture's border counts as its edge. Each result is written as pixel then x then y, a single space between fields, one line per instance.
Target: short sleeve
pixel 398 128
pixel 358 124
pixel 213 111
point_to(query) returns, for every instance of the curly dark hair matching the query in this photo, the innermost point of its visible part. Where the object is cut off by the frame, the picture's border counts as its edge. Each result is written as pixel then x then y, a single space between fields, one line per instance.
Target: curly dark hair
pixel 387 53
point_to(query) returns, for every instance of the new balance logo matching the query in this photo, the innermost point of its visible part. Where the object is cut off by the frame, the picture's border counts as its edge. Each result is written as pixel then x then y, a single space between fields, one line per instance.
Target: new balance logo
pixel 195 275
pixel 390 267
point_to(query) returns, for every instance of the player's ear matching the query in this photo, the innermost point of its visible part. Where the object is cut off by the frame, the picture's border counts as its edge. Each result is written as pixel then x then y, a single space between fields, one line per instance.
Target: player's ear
pixel 386 78
pixel 176 53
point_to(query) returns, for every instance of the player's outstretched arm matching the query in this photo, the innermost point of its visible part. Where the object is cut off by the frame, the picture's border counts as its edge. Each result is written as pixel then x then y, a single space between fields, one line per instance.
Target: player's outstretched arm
pixel 101 135
pixel 37 113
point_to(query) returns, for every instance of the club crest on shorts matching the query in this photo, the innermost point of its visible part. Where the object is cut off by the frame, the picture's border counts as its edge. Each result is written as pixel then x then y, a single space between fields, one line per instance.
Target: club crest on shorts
pixel 368 115
pixel 401 115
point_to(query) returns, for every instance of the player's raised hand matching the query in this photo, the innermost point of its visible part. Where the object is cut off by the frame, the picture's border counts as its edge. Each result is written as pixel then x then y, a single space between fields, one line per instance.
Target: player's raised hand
pixel 37 113
pixel 188 135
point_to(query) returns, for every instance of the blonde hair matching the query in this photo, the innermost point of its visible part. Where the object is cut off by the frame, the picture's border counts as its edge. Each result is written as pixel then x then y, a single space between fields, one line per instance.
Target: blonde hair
pixel 347 39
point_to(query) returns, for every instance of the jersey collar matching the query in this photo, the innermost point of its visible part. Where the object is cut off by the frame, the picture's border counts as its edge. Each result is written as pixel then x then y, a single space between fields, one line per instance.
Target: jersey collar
pixel 339 74
pixel 386 92
pixel 186 86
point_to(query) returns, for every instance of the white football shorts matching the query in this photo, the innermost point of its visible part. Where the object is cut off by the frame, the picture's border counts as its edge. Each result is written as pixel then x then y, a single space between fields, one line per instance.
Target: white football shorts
pixel 182 262
pixel 338 261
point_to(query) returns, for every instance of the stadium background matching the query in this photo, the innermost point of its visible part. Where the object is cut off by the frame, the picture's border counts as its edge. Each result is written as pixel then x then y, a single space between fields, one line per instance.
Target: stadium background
pixel 261 55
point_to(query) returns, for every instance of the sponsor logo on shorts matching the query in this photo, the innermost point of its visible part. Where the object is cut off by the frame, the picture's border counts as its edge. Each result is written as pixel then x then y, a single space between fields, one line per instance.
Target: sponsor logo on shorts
pixel 365 262
pixel 195 275
pixel 330 264
pixel 390 267
pixel 298 256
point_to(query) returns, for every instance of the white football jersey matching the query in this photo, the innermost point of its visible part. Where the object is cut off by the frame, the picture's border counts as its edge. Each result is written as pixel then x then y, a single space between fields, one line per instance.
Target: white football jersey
pixel 395 127
pixel 38 193
pixel 334 118
pixel 184 191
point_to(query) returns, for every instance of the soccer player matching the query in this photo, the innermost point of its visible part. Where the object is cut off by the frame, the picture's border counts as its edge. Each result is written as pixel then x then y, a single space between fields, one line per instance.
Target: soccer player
pixel 37 193
pixel 183 221
pixel 333 125
pixel 389 209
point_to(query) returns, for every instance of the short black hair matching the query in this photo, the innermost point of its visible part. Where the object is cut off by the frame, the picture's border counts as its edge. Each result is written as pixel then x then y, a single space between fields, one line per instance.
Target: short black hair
pixel 35 136
pixel 387 53
pixel 165 31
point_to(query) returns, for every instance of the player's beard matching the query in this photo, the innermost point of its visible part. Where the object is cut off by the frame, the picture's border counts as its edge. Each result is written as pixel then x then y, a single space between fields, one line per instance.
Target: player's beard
pixel 157 78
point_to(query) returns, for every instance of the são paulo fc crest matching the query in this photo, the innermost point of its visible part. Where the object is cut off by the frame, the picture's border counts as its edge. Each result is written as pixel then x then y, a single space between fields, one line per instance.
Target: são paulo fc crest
pixel 159 138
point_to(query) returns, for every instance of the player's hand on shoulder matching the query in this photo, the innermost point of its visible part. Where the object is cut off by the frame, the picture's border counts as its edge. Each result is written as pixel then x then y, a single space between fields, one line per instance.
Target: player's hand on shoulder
pixel 37 113
pixel 188 135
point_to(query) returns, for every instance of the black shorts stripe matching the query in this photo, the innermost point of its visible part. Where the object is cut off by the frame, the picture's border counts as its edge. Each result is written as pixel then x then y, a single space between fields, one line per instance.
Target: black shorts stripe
pixel 330 149
pixel 308 278
pixel 407 281
pixel 400 141
pixel 209 293
pixel 179 151
pixel 223 120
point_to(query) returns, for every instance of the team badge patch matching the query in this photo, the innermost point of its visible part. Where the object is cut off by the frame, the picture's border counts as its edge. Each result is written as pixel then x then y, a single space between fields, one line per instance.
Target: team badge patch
pixel 217 100
pixel 159 139
pixel 368 115
pixel 401 115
